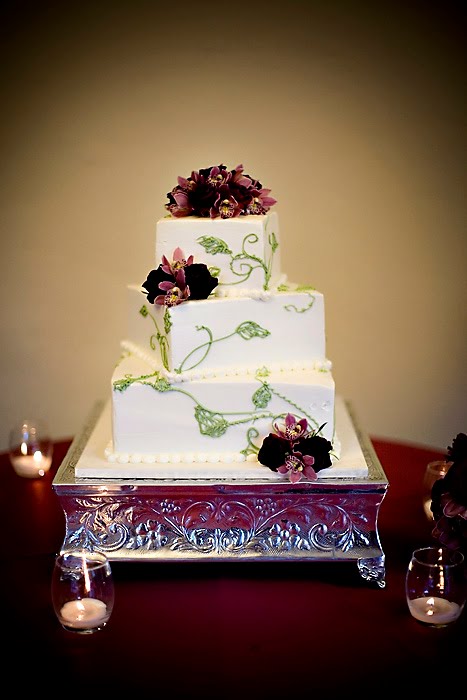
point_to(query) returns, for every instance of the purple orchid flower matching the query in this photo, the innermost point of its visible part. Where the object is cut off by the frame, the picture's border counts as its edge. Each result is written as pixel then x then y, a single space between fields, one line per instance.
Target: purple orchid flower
pixel 297 465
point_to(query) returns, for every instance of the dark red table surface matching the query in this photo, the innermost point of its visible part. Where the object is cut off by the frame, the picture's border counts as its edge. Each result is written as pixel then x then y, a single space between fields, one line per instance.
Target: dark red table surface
pixel 233 629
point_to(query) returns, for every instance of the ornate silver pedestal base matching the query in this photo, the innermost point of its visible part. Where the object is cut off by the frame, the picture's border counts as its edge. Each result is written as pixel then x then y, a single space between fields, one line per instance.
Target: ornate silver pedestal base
pixel 140 520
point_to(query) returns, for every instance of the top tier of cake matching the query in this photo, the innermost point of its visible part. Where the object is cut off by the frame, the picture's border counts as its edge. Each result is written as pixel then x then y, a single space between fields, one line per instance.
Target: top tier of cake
pixel 244 254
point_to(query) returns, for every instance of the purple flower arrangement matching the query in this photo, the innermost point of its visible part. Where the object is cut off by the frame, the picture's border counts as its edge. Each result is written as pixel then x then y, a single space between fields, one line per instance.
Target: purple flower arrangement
pixel 449 499
pixel 178 280
pixel 217 192
pixel 296 451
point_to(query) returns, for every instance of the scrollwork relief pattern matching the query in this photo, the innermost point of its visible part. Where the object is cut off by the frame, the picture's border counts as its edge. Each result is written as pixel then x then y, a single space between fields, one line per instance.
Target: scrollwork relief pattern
pixel 221 526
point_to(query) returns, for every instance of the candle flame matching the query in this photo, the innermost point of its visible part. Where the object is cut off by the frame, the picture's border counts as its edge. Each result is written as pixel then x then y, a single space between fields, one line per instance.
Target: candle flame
pixel 37 456
pixel 24 448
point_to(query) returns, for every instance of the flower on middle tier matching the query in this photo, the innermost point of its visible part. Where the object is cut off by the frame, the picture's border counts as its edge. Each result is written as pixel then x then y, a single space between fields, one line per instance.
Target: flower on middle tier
pixel 296 451
pixel 178 280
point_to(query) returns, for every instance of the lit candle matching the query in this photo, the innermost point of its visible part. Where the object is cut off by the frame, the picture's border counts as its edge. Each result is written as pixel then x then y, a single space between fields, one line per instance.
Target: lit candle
pixel 31 466
pixel 434 611
pixel 85 613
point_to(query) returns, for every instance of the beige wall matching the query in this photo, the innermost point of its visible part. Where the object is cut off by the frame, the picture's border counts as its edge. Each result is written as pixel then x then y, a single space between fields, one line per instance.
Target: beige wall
pixel 353 117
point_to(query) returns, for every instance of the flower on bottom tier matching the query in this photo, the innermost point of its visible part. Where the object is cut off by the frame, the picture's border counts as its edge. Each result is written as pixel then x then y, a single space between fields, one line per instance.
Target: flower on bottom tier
pixel 449 499
pixel 296 451
pixel 178 280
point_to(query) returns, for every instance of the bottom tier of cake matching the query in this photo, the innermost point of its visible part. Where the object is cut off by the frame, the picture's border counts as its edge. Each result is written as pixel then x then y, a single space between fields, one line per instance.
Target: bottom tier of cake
pixel 93 463
pixel 212 418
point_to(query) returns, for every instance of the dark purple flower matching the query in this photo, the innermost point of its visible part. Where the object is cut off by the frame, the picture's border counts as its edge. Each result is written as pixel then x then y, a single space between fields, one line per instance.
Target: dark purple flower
pixel 217 192
pixel 273 451
pixel 319 448
pixel 178 280
pixel 449 498
pixel 151 284
pixel 294 451
pixel 200 281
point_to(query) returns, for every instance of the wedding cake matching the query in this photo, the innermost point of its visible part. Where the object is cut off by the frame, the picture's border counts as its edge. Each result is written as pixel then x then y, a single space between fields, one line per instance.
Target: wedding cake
pixel 223 372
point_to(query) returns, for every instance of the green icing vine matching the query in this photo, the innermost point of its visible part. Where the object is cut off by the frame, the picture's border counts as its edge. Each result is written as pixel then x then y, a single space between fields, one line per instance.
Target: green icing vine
pixel 128 380
pixel 251 448
pixel 292 307
pixel 246 330
pixel 244 261
pixel 159 337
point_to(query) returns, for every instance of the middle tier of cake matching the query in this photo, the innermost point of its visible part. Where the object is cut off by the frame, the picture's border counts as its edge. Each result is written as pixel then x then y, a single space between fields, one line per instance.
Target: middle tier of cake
pixel 282 329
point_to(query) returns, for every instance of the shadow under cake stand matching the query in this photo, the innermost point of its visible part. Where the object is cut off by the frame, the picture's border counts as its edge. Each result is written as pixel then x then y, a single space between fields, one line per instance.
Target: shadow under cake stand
pixel 183 520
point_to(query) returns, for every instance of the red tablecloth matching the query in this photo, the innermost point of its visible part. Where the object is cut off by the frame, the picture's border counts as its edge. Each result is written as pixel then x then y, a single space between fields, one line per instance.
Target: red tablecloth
pixel 231 629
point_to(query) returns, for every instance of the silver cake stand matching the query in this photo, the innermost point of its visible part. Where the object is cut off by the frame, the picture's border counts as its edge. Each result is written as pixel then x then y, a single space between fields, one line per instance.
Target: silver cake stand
pixel 217 520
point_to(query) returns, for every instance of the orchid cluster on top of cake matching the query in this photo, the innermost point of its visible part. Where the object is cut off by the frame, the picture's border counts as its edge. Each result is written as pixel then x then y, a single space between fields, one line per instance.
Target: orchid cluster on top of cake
pixel 224 347
pixel 216 191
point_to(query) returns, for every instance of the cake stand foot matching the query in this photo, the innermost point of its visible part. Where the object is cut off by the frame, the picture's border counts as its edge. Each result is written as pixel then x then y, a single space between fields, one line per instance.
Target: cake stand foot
pixel 373 569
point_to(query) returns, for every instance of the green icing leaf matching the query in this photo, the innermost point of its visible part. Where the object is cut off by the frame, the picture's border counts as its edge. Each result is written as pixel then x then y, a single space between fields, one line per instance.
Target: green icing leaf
pixel 273 242
pixel 123 384
pixel 161 384
pixel 214 245
pixel 250 329
pixel 262 372
pixel 167 321
pixel 143 311
pixel 212 424
pixel 262 396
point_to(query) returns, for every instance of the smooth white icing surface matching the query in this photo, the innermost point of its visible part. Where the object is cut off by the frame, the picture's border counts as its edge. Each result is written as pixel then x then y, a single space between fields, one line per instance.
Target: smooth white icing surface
pixel 92 464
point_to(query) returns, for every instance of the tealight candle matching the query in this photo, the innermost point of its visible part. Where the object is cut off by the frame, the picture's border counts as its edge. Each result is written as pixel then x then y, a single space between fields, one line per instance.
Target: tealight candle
pixel 85 613
pixel 31 466
pixel 433 610
pixel 31 449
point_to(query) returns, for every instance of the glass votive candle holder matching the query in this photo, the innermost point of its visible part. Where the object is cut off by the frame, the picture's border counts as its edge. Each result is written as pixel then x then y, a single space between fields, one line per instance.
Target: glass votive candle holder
pixel 436 586
pixel 30 449
pixel 82 590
